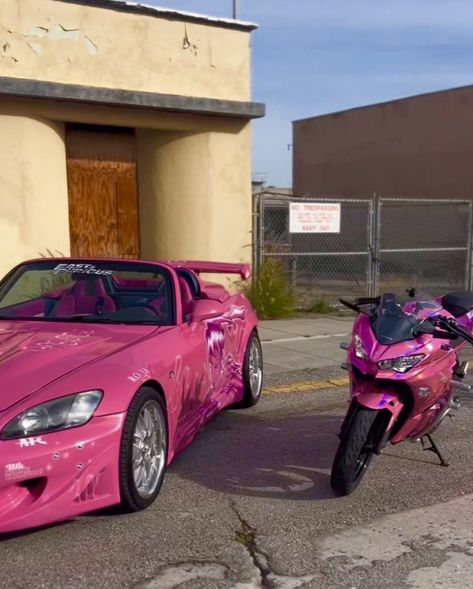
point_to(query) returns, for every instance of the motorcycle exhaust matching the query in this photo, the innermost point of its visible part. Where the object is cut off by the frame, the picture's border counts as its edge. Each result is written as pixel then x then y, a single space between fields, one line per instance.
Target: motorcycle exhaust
pixel 461 386
pixel 465 398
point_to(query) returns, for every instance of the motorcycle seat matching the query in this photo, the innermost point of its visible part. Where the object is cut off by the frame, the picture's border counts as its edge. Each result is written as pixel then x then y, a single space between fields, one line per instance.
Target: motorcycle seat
pixel 458 303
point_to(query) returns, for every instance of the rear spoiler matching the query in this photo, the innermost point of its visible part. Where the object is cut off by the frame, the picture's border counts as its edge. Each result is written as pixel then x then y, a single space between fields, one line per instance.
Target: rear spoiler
pixel 216 268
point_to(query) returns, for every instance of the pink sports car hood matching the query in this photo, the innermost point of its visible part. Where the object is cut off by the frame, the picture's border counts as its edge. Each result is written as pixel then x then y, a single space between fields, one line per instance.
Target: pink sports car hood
pixel 34 354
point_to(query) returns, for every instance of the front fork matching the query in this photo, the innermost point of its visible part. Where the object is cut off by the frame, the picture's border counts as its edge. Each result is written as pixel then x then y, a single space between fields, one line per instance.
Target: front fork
pixel 388 404
pixel 389 407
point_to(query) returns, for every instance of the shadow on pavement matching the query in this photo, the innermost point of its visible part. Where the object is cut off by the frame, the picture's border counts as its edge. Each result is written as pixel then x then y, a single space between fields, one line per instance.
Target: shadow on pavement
pixel 32 531
pixel 247 455
pixel 241 454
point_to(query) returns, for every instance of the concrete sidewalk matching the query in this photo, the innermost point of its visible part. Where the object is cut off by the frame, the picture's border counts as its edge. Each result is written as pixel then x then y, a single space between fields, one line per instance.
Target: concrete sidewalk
pixel 303 342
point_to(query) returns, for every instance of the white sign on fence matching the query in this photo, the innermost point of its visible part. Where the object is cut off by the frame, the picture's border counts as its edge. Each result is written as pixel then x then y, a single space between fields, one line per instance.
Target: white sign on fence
pixel 314 217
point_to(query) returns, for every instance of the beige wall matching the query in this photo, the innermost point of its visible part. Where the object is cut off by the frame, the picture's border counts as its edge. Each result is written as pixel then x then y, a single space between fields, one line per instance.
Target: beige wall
pixel 33 190
pixel 195 194
pixel 194 182
pixel 68 43
pixel 194 170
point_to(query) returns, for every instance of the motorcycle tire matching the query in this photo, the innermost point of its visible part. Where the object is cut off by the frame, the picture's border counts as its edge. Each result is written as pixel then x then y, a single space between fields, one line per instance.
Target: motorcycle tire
pixel 355 452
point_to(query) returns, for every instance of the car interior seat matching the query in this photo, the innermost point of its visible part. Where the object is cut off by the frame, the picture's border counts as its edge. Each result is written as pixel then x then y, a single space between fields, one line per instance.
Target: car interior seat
pixel 87 296
pixel 187 299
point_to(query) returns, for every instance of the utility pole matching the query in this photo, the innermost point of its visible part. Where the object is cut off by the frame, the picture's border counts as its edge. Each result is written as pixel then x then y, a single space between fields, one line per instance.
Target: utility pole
pixel 235 9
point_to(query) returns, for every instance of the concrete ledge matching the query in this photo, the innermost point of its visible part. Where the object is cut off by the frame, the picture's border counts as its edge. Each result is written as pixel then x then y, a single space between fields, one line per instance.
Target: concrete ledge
pixel 37 89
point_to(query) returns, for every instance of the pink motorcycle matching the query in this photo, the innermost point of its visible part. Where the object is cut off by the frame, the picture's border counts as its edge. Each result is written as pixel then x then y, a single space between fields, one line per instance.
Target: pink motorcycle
pixel 405 376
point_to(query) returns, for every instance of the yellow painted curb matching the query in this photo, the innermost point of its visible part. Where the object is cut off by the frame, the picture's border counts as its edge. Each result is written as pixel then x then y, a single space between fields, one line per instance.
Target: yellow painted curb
pixel 305 386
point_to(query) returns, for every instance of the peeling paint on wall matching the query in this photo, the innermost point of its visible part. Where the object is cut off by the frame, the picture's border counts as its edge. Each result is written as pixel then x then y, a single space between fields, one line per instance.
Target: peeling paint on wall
pixel 211 55
pixel 186 44
pixel 10 57
pixel 36 47
pixel 59 33
pixel 91 46
pixel 39 32
pixel 15 47
pixel 5 51
pixel 166 56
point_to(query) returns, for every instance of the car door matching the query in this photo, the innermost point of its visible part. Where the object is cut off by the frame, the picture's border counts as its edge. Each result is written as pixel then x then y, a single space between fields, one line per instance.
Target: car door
pixel 223 339
pixel 191 365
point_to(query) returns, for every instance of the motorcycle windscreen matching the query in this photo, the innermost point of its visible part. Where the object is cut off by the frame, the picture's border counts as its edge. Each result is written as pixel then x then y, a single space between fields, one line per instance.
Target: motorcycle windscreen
pixel 394 322
pixel 394 328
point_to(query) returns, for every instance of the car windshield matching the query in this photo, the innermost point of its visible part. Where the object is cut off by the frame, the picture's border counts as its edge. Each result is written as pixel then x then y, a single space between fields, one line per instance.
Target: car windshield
pixel 89 292
pixel 395 321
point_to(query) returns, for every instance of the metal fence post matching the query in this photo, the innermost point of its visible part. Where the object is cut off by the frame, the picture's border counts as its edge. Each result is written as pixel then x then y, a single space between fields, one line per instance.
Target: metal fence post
pixel 254 233
pixel 374 244
pixel 469 262
pixel 371 225
pixel 378 203
pixel 261 250
pixel 259 233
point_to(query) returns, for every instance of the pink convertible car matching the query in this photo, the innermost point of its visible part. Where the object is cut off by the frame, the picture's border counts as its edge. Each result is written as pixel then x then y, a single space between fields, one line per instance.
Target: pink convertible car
pixel 108 368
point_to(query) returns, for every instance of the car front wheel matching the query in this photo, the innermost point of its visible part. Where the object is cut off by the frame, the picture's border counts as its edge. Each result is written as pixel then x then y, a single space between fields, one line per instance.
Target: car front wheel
pixel 143 451
pixel 252 373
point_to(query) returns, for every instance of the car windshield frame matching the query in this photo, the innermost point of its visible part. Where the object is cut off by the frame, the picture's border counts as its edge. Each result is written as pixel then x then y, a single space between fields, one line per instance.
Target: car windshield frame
pixel 79 268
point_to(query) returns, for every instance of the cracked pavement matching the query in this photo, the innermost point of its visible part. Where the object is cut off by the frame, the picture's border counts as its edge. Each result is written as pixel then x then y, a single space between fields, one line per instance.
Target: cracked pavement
pixel 248 506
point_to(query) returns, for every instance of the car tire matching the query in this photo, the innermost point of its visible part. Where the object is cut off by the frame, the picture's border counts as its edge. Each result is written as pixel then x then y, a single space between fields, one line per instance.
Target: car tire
pixel 252 373
pixel 143 450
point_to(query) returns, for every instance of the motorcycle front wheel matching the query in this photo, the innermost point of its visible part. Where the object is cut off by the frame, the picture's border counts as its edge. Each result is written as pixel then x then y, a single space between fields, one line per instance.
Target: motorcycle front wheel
pixel 355 451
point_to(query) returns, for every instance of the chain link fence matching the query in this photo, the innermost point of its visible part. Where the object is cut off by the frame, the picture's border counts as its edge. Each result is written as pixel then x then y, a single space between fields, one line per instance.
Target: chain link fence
pixel 382 244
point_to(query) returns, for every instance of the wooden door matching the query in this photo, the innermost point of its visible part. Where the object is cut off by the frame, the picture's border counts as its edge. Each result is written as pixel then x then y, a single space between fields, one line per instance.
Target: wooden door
pixel 103 199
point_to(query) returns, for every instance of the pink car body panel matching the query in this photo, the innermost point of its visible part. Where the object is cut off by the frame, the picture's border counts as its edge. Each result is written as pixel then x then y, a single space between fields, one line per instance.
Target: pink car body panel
pixel 197 365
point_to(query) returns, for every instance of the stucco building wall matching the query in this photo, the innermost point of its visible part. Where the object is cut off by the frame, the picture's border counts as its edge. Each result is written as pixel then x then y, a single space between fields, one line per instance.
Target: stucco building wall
pixel 33 189
pixel 182 87
pixel 200 185
pixel 79 44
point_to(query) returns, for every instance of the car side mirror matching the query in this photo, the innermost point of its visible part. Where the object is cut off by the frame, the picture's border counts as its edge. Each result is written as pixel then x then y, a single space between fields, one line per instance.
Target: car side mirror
pixel 207 309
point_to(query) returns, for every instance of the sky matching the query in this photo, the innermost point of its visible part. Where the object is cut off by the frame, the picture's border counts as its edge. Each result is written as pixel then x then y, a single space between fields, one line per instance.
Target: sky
pixel 312 57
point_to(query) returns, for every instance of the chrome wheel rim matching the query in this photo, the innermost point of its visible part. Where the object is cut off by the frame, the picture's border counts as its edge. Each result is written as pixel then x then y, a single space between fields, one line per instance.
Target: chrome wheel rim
pixel 255 369
pixel 149 449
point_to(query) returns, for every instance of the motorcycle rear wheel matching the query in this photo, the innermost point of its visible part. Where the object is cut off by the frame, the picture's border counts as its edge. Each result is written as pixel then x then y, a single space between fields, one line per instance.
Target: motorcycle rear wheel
pixel 355 451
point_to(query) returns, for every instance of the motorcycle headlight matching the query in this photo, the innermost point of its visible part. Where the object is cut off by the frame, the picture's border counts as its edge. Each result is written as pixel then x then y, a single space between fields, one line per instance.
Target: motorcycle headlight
pixel 59 414
pixel 402 364
pixel 360 351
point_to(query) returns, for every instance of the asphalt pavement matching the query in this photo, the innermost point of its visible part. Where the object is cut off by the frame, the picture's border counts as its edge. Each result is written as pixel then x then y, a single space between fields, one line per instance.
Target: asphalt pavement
pixel 248 505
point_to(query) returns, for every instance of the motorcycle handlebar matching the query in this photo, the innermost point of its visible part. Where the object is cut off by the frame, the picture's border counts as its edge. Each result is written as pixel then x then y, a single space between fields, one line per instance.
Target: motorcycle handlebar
pixel 449 324
pixel 450 328
pixel 360 302
pixel 442 334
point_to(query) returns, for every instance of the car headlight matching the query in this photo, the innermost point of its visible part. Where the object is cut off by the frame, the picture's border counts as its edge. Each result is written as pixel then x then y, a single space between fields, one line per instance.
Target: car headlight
pixel 59 414
pixel 402 364
pixel 360 351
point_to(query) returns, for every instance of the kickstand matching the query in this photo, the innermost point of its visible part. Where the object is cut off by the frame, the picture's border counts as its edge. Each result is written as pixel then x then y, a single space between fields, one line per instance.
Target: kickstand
pixel 433 448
